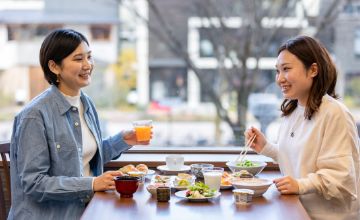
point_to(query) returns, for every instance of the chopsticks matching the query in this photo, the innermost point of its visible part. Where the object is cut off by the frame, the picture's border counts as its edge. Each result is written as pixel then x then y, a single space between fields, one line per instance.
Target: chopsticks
pixel 244 151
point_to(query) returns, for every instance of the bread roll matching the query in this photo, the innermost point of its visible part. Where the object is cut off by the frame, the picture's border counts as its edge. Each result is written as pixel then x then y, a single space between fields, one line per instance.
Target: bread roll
pixel 128 168
pixel 142 168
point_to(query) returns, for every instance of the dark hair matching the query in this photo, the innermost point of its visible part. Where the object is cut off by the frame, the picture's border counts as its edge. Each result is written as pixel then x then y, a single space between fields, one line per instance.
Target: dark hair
pixel 58 45
pixel 310 51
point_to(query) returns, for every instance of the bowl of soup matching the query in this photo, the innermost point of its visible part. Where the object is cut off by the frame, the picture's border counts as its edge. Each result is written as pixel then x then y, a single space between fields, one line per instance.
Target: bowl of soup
pixel 260 186
pixel 126 186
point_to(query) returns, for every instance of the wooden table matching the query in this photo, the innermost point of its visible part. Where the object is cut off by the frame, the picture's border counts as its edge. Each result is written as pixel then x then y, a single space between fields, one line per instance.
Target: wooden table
pixel 109 205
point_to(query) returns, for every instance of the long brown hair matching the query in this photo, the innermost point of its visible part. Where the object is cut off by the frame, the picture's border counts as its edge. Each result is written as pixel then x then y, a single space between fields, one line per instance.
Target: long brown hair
pixel 309 51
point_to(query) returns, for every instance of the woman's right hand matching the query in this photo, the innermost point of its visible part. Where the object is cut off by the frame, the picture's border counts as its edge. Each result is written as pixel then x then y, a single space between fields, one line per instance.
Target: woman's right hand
pixel 106 181
pixel 260 140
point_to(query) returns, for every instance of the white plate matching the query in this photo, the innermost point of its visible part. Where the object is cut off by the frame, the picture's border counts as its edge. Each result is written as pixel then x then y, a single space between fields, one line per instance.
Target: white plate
pixel 167 179
pixel 150 172
pixel 182 194
pixel 164 168
pixel 177 187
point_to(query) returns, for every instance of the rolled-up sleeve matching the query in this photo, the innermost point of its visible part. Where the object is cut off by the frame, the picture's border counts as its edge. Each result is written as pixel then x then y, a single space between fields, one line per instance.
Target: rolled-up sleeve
pixel 113 147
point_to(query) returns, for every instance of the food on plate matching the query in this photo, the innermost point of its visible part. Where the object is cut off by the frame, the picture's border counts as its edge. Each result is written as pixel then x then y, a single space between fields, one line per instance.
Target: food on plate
pixel 243 174
pixel 199 190
pixel 142 168
pixel 247 163
pixel 131 168
pixel 183 180
pixel 161 179
pixel 184 176
pixel 128 168
pixel 226 179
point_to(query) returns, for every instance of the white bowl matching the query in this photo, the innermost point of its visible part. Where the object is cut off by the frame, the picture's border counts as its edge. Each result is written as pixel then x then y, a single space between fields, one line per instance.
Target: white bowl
pixel 260 186
pixel 254 170
pixel 151 189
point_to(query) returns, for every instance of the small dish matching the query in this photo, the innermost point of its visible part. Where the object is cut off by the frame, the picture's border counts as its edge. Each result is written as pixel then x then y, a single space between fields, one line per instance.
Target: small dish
pixel 151 188
pixel 182 183
pixel 150 172
pixel 161 179
pixel 182 194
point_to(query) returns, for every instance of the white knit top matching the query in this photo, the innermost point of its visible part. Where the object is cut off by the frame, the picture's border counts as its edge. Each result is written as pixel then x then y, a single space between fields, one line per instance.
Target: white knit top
pixel 89 145
pixel 323 155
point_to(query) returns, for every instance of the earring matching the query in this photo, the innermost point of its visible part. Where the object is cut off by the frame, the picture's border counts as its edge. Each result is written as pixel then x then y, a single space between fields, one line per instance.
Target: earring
pixel 57 78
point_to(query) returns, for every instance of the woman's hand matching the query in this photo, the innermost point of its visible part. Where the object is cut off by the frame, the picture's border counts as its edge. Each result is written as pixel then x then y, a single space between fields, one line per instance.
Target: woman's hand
pixel 260 140
pixel 130 138
pixel 287 185
pixel 106 181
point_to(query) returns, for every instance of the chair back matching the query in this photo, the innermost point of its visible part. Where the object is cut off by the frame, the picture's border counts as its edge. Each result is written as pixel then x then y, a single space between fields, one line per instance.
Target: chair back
pixel 5 198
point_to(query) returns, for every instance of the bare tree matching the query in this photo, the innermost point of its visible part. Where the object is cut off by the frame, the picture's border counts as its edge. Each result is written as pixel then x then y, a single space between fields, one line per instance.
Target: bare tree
pixel 262 27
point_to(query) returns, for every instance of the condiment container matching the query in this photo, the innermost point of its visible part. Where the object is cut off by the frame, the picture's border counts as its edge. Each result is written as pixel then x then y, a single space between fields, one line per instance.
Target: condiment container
pixel 163 194
pixel 243 196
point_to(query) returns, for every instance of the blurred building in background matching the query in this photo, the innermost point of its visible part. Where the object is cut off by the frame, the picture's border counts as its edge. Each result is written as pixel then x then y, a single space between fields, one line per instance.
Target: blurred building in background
pixel 346 49
pixel 23 26
pixel 136 67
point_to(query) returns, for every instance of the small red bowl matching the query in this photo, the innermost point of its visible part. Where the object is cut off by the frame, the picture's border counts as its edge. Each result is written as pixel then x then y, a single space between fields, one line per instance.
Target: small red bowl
pixel 126 185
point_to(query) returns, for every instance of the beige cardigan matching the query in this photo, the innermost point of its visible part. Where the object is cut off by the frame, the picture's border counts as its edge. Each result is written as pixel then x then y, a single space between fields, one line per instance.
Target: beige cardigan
pixel 323 155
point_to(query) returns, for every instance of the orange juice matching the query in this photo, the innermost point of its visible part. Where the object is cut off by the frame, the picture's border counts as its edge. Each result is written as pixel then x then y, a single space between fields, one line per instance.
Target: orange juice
pixel 143 133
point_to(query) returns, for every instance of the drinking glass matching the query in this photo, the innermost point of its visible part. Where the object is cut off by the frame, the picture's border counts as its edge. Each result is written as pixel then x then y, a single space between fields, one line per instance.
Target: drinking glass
pixel 212 177
pixel 143 130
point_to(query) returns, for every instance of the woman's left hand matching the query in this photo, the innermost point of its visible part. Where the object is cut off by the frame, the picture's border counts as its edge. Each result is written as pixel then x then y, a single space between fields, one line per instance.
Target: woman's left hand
pixel 130 138
pixel 287 185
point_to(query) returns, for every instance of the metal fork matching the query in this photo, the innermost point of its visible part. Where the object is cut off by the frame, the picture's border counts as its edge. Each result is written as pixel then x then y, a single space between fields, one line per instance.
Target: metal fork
pixel 244 151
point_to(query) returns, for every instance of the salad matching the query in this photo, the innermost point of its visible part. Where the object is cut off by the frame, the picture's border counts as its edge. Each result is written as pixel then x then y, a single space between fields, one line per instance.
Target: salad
pixel 247 163
pixel 199 190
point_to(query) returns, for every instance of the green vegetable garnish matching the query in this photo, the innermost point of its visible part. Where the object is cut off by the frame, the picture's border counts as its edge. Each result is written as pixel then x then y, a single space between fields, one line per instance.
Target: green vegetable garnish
pixel 203 190
pixel 247 163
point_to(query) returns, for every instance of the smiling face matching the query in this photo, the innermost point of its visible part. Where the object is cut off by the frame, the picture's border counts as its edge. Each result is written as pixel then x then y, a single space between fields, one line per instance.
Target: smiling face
pixel 74 72
pixel 293 78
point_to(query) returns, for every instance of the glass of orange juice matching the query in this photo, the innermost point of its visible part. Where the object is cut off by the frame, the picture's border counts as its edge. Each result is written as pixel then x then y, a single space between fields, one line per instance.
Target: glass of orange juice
pixel 143 130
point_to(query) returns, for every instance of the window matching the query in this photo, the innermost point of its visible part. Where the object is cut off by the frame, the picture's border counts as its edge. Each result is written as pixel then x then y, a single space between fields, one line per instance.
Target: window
pixel 100 32
pixel 168 83
pixel 357 42
pixel 164 73
pixel 29 32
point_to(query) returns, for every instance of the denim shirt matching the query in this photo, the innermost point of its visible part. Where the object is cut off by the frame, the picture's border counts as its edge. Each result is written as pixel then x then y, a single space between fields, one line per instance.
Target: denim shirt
pixel 46 158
